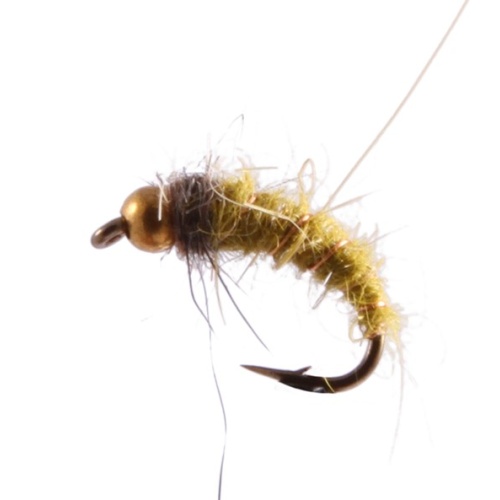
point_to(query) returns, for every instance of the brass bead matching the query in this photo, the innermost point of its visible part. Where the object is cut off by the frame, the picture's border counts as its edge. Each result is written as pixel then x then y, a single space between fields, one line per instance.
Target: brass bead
pixel 144 227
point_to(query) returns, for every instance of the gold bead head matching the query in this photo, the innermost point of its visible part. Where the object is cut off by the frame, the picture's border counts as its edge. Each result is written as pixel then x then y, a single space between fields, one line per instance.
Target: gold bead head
pixel 147 227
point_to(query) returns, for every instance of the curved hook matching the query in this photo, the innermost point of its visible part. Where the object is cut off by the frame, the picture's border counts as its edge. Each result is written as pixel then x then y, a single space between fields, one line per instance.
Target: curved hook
pixel 110 233
pixel 300 380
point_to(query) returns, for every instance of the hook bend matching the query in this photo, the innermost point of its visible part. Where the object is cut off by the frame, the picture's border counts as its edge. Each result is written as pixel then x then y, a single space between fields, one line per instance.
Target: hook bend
pixel 299 379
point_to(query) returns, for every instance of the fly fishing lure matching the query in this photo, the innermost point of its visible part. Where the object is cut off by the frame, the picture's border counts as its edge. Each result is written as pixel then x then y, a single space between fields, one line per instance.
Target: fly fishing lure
pixel 204 214
pixel 201 215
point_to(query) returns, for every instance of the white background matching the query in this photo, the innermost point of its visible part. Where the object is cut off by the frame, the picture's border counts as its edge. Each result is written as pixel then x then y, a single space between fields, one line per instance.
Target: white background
pixel 106 388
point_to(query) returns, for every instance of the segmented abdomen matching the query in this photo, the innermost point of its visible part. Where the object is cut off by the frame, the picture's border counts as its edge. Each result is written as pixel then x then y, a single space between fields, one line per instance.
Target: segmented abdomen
pixel 273 223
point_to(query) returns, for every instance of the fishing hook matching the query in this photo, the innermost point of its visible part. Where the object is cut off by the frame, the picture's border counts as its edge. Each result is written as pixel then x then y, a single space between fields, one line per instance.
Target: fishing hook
pixel 299 379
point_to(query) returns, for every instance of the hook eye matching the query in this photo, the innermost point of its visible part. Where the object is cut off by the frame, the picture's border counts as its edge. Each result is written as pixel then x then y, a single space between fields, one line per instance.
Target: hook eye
pixel 109 234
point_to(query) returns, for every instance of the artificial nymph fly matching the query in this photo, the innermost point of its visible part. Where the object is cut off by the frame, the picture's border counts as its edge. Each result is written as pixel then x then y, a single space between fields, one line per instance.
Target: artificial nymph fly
pixel 203 214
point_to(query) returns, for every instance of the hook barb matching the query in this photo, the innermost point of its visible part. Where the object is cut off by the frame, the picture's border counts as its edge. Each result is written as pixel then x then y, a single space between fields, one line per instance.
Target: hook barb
pixel 298 379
